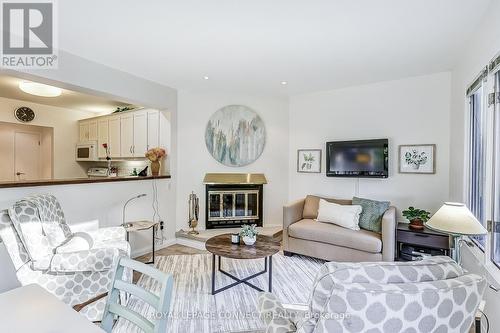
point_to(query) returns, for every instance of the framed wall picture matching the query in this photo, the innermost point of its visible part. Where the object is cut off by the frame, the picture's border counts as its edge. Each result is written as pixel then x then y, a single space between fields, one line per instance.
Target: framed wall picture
pixel 417 158
pixel 309 160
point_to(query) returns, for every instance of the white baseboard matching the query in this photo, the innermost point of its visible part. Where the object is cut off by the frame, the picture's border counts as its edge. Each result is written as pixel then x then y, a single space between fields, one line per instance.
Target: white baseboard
pixel 147 249
pixel 191 243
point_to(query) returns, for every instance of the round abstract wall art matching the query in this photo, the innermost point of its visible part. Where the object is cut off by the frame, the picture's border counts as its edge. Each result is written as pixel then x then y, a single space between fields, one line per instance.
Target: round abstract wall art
pixel 235 135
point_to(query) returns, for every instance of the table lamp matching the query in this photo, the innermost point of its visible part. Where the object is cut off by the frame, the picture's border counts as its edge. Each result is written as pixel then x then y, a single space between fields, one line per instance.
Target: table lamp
pixel 456 220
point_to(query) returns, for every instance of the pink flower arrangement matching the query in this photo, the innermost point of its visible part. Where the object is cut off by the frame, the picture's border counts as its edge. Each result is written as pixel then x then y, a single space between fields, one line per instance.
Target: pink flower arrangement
pixel 155 154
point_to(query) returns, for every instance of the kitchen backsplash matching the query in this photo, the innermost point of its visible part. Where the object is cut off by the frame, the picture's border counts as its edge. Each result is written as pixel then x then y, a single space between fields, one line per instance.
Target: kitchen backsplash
pixel 125 168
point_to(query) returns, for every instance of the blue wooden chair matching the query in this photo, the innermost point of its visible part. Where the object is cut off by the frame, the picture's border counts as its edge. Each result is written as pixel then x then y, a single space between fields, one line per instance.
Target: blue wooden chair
pixel 160 303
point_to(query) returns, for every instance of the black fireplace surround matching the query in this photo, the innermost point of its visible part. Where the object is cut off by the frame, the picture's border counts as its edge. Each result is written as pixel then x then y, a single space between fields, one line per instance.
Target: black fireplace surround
pixel 232 202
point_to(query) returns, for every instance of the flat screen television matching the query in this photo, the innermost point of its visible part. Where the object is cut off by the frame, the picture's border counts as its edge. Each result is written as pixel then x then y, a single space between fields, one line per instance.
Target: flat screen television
pixel 362 158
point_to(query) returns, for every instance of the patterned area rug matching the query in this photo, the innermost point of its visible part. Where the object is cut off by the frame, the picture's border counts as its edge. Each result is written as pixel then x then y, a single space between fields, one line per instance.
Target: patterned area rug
pixel 193 307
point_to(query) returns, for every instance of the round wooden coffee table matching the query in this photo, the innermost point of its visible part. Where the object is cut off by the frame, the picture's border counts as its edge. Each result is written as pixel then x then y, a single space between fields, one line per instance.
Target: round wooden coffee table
pixel 221 246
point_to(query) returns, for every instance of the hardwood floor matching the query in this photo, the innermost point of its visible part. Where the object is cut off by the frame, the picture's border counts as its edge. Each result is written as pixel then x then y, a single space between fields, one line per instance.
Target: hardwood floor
pixel 171 250
pixel 166 251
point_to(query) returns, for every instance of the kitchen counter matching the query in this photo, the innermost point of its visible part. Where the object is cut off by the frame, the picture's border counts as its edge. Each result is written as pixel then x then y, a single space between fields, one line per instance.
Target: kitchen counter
pixel 70 181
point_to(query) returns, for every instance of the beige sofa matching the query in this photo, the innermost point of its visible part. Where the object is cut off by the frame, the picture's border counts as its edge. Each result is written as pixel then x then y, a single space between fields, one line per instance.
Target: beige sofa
pixel 303 235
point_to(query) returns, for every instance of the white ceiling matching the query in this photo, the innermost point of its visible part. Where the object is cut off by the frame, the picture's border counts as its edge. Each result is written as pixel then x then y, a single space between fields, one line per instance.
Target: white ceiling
pixel 251 46
pixel 9 88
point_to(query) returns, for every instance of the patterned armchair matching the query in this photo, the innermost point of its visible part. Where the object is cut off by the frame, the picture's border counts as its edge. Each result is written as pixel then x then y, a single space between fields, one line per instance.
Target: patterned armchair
pixel 74 267
pixel 433 295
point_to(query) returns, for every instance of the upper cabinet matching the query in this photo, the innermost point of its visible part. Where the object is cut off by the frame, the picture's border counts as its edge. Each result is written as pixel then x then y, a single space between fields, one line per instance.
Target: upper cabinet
pixel 114 138
pixel 140 145
pixel 88 130
pixel 103 136
pixel 128 135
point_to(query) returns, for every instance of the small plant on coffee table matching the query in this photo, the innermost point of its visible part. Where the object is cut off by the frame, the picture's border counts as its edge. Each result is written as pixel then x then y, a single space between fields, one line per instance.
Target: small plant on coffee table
pixel 249 233
pixel 417 217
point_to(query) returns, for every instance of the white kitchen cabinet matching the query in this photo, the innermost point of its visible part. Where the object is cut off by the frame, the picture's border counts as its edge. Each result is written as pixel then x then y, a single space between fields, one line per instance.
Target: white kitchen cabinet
pixel 103 135
pixel 84 132
pixel 127 135
pixel 140 144
pixel 114 137
pixel 93 130
pixel 88 131
pixel 153 129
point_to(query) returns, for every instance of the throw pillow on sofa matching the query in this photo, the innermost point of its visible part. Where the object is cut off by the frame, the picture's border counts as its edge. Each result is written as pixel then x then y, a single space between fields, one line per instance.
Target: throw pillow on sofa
pixel 346 216
pixel 371 216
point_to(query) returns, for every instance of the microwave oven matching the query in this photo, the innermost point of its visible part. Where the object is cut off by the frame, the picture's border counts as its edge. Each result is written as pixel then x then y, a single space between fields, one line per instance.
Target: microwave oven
pixel 86 151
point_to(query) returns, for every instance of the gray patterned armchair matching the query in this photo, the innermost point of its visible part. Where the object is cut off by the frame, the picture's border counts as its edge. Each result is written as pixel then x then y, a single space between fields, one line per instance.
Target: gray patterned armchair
pixel 75 267
pixel 433 295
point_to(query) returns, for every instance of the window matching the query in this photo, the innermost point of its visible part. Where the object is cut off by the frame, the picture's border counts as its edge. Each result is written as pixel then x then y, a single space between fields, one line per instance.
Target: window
pixel 495 249
pixel 483 185
pixel 477 159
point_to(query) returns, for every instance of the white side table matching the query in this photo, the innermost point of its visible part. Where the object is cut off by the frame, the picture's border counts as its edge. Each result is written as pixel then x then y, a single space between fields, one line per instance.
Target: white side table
pixel 135 226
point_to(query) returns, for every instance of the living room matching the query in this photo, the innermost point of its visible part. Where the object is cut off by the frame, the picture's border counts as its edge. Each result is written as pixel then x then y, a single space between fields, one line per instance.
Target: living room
pixel 309 83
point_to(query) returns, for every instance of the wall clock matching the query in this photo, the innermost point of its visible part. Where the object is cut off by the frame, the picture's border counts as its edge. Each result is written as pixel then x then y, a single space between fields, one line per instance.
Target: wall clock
pixel 24 114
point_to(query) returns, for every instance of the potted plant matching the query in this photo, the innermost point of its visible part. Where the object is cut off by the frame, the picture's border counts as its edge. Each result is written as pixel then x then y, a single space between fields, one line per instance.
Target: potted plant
pixel 417 217
pixel 155 155
pixel 249 234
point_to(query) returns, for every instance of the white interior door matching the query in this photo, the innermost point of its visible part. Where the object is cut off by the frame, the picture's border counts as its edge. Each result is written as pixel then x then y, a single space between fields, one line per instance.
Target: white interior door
pixel 7 152
pixel 114 137
pixel 127 135
pixel 27 155
pixel 153 129
pixel 140 134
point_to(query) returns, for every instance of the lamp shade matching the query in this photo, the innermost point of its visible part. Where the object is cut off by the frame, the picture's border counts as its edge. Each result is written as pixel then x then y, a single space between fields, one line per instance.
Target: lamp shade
pixel 455 218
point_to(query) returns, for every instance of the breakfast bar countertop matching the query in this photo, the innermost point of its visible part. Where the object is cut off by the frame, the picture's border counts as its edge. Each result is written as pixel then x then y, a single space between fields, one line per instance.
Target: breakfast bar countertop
pixel 70 181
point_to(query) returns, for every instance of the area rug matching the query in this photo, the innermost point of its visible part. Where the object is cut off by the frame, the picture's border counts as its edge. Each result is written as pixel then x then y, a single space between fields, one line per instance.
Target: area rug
pixel 193 307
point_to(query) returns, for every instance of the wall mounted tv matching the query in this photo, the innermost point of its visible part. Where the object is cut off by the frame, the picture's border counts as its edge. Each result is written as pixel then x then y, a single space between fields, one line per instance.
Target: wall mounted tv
pixel 363 158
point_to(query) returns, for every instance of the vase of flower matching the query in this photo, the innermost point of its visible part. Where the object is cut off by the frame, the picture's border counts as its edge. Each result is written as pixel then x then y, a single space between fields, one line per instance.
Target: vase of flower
pixel 155 155
pixel 155 168
pixel 249 234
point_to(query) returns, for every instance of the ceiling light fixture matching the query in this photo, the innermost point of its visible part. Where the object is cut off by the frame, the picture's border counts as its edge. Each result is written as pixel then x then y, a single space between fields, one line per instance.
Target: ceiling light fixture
pixel 39 89
pixel 205 78
pixel 284 83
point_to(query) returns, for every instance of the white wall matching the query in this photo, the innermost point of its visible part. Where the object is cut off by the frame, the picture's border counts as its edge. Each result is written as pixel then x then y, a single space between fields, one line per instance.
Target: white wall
pixel 194 160
pixel 482 47
pixel 65 124
pixel 408 111
pixel 87 201
pixel 104 202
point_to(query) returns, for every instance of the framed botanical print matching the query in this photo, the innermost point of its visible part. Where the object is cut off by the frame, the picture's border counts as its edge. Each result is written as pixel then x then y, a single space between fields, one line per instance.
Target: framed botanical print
pixel 309 160
pixel 417 158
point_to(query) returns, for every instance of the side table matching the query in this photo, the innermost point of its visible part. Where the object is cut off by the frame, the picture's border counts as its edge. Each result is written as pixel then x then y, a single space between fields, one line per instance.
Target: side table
pixel 139 226
pixel 421 239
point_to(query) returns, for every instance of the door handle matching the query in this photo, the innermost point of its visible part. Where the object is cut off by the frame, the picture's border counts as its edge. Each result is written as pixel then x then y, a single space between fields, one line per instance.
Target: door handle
pixel 19 173
pixel 130 149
